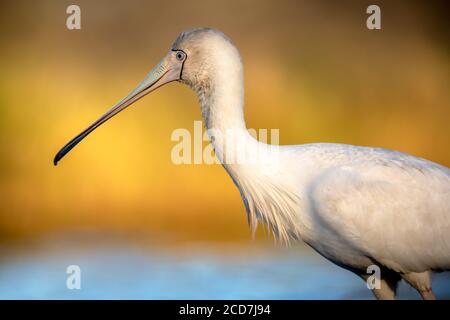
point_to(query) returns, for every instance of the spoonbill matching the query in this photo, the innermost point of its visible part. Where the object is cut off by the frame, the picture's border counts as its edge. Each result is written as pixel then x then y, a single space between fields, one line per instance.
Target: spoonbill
pixel 356 206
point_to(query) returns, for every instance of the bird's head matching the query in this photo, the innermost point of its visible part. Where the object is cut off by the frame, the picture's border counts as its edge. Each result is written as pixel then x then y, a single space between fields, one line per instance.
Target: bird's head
pixel 209 53
pixel 197 58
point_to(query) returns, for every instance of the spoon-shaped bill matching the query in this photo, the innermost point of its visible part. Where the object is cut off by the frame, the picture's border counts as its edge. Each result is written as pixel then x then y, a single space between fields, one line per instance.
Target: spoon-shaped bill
pixel 166 71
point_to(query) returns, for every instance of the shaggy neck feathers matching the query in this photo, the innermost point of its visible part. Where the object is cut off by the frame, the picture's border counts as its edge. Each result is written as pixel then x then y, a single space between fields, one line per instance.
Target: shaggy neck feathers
pixel 221 99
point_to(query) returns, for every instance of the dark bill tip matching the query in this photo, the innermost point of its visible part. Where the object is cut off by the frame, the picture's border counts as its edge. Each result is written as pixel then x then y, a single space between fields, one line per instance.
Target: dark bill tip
pixel 62 153
pixel 57 158
pixel 72 143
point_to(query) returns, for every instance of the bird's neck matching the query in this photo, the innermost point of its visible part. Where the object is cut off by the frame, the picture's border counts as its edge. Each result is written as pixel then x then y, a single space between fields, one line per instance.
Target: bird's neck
pixel 221 101
pixel 254 166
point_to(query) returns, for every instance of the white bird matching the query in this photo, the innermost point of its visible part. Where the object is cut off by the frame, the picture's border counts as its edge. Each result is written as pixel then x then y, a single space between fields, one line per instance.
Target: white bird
pixel 356 206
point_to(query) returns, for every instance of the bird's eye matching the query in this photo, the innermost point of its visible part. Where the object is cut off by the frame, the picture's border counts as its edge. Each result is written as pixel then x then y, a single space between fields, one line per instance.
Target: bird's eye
pixel 180 55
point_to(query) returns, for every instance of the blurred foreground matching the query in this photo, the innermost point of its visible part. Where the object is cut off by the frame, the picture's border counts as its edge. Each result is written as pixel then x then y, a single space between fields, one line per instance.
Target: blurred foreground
pixel 115 269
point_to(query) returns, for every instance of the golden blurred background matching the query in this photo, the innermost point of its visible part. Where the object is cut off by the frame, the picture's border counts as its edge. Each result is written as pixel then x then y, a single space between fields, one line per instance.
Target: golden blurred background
pixel 312 69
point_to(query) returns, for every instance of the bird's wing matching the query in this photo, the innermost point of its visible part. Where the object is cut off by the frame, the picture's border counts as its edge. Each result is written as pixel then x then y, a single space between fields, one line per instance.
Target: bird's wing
pixel 394 211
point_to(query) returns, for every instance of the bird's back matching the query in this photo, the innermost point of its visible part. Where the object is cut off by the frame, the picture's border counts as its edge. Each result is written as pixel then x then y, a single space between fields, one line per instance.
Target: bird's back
pixel 387 205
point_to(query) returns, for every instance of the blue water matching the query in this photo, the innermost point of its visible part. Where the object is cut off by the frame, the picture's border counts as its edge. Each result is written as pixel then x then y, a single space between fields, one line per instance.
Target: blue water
pixel 122 270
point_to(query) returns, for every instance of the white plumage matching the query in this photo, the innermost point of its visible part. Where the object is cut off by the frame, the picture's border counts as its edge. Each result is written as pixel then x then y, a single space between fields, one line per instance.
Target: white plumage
pixel 356 206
